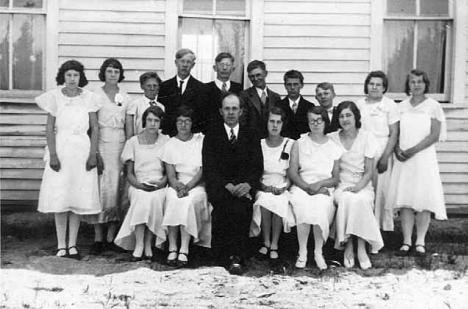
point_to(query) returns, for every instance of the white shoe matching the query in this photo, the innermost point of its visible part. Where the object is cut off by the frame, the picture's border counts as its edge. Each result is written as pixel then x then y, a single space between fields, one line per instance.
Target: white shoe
pixel 349 261
pixel 301 263
pixel 365 264
pixel 320 261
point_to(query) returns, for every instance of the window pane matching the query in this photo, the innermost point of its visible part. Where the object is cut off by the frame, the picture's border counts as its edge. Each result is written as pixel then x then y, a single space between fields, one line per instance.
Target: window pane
pixel 435 7
pixel 27 3
pixel 398 52
pixel 401 7
pixel 3 3
pixel 207 38
pixel 4 52
pixel 230 7
pixel 28 45
pixel 432 42
pixel 198 7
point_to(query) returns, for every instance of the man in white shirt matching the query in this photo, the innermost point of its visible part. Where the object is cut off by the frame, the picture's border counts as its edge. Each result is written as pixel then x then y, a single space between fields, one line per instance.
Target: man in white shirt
pixel 259 99
pixel 149 83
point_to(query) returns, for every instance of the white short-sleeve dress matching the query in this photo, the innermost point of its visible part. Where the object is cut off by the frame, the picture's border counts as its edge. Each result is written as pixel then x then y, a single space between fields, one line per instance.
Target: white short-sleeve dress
pixel 355 212
pixel 111 118
pixel 193 212
pixel 145 207
pixel 275 167
pixel 315 164
pixel 72 188
pixel 416 183
pixel 376 118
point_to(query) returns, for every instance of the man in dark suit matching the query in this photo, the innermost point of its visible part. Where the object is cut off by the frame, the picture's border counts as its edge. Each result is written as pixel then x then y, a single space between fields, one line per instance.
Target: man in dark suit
pixel 224 66
pixel 325 93
pixel 258 98
pixel 232 167
pixel 182 89
pixel 294 106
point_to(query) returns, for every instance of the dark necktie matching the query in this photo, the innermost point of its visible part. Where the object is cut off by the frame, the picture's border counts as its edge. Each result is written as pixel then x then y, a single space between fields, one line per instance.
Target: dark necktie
pixel 294 107
pixel 232 137
pixel 263 97
pixel 180 86
pixel 224 87
pixel 152 103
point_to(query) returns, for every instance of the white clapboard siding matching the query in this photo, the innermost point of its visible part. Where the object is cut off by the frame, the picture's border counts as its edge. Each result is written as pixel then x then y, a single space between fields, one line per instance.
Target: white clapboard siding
pixel 131 31
pixel 325 40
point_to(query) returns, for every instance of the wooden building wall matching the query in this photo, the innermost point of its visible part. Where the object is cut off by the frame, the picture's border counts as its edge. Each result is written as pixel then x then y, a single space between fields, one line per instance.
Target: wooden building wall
pixel 324 40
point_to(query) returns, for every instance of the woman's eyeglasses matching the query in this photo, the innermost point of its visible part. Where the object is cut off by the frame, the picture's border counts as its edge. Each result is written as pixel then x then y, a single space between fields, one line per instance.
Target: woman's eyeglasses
pixel 316 121
pixel 184 122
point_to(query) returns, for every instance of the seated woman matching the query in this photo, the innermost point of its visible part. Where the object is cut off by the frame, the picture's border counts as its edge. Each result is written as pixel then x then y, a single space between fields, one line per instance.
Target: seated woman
pixel 314 173
pixel 271 208
pixel 355 195
pixel 147 191
pixel 187 208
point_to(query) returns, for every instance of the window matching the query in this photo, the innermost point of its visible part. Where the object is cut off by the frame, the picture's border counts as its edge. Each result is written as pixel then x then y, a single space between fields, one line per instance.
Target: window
pixel 22 42
pixel 209 27
pixel 418 34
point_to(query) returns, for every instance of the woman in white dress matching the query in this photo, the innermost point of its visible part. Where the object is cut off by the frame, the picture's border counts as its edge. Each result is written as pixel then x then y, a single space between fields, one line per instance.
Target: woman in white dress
pixel 69 186
pixel 115 127
pixel 187 209
pixel 380 116
pixel 271 210
pixel 147 191
pixel 314 172
pixel 355 194
pixel 415 186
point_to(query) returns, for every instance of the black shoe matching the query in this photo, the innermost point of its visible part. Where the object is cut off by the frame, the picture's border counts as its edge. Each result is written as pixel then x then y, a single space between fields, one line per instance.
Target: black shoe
pixel 403 251
pixel 97 248
pixel 235 268
pixel 182 264
pixel 260 256
pixel 75 256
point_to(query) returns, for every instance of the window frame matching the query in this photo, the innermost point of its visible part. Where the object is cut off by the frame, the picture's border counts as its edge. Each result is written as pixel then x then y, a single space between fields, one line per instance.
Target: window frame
pixel 50 9
pixel 455 77
pixel 174 10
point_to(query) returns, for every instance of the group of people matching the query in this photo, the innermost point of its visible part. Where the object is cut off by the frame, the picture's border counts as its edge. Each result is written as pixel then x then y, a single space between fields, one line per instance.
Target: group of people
pixel 212 164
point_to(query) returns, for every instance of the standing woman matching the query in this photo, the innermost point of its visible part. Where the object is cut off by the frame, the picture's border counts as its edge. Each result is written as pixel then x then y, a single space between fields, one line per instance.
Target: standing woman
pixel 355 195
pixel 147 191
pixel 187 209
pixel 69 186
pixel 380 116
pixel 314 172
pixel 415 186
pixel 271 210
pixel 115 128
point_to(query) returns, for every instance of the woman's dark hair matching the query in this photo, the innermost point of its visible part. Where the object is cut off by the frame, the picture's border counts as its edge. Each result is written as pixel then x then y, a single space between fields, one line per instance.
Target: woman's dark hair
pixel 71 65
pixel 278 111
pixel 155 110
pixel 111 63
pixel 354 109
pixel 184 111
pixel 417 72
pixel 377 74
pixel 319 110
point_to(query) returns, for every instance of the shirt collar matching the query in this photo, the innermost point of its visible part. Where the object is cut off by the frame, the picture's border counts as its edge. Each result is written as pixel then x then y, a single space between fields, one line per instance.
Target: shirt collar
pixel 148 100
pixel 228 130
pixel 259 91
pixel 185 80
pixel 219 84
pixel 291 102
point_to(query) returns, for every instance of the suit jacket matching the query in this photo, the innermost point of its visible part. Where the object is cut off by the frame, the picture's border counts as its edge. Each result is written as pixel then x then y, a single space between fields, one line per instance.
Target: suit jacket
pixel 296 123
pixel 224 163
pixel 193 97
pixel 334 124
pixel 213 100
pixel 256 114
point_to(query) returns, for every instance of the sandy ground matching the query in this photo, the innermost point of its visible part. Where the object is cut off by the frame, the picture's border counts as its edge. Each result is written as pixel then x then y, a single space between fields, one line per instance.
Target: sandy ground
pixel 31 277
